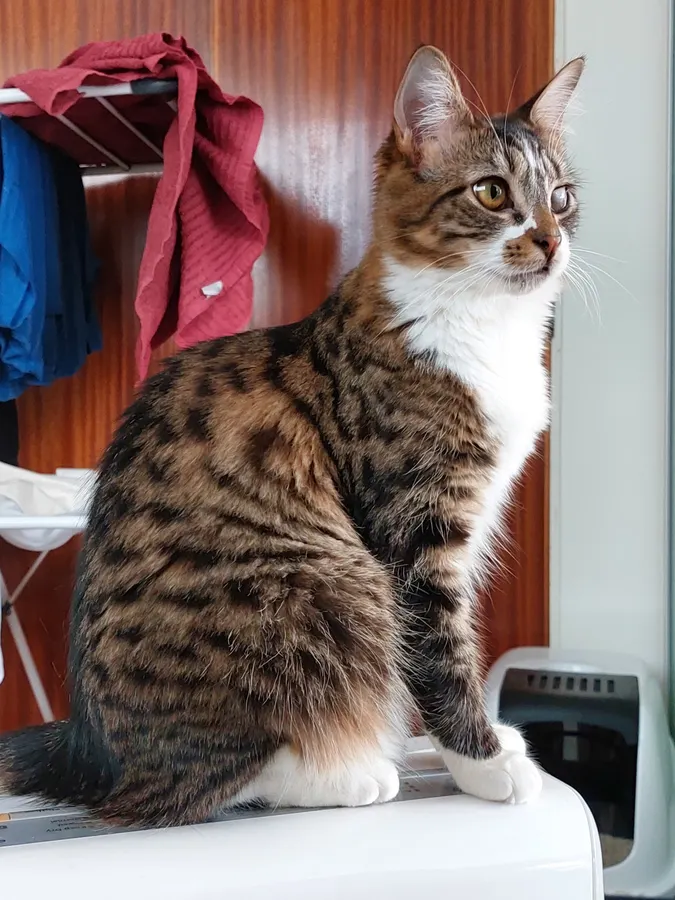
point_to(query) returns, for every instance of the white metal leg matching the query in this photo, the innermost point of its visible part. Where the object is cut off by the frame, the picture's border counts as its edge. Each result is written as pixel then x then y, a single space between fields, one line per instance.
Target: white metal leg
pixel 18 590
pixel 28 663
pixel 16 629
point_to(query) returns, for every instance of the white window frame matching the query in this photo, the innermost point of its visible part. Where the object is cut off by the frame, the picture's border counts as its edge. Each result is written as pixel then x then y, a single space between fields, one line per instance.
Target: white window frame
pixel 610 446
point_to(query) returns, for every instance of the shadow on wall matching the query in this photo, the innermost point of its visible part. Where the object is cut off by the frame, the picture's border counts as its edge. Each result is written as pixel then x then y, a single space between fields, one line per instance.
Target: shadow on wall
pixel 294 274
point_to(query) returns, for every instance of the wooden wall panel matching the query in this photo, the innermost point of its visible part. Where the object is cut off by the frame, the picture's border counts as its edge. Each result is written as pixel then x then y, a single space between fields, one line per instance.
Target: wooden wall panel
pixel 325 72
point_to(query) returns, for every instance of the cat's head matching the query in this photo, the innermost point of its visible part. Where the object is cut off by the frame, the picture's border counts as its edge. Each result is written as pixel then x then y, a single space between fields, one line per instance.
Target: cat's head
pixel 494 198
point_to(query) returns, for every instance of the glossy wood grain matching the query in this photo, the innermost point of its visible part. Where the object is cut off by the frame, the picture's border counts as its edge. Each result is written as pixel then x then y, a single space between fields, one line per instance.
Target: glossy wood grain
pixel 325 72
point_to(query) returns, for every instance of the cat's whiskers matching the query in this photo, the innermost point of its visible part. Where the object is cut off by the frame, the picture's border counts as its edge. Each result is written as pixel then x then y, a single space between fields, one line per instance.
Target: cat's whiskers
pixel 465 286
pixel 508 102
pixel 460 253
pixel 588 281
pixel 487 284
pixel 282 791
pixel 432 294
pixel 558 132
pixel 574 276
pixel 482 270
pixel 471 273
pixel 596 253
pixel 596 268
pixel 482 108
pixel 585 287
pixel 413 305
pixel 572 279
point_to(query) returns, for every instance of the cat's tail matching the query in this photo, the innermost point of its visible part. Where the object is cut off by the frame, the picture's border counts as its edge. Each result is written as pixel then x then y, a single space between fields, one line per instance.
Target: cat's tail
pixel 69 762
pixel 64 762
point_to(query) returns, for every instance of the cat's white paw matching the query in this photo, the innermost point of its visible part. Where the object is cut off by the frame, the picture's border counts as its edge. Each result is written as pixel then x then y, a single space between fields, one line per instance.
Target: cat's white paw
pixel 373 781
pixel 286 781
pixel 361 790
pixel 386 775
pixel 510 738
pixel 508 777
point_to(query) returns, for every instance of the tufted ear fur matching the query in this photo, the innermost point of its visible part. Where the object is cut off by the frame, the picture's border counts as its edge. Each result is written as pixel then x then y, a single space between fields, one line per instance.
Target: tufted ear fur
pixel 429 105
pixel 546 110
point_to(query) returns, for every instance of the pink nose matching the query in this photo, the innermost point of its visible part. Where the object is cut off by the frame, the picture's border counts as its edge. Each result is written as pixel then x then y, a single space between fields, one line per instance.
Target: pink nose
pixel 549 243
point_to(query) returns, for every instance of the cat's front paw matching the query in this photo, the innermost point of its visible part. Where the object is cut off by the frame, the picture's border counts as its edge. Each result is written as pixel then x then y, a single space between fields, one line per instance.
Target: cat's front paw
pixel 509 777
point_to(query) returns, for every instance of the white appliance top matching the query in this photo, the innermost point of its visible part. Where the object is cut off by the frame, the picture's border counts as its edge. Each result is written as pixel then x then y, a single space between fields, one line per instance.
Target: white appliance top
pixel 431 841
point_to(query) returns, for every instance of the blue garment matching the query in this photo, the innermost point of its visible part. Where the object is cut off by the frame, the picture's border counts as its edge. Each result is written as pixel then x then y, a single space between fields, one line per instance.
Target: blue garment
pixel 47 318
pixel 77 328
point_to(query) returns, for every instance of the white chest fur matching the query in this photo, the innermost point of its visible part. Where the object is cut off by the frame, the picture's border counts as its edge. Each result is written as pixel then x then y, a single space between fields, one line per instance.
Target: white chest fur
pixel 494 344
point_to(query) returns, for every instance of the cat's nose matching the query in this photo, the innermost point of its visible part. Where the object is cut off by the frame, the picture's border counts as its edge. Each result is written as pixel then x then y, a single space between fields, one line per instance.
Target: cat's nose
pixel 548 242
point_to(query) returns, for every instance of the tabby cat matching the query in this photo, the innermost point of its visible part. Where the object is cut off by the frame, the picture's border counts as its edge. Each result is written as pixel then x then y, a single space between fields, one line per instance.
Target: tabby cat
pixel 289 525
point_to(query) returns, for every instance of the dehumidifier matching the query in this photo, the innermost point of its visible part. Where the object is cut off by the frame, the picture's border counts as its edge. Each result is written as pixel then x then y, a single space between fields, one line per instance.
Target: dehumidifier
pixel 429 842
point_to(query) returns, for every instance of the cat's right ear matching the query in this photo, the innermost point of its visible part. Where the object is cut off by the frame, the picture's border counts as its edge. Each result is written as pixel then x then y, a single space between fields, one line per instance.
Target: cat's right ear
pixel 429 106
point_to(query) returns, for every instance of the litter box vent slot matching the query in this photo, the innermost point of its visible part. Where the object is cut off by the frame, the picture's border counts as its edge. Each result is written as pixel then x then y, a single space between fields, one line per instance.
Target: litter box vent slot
pixel 563 683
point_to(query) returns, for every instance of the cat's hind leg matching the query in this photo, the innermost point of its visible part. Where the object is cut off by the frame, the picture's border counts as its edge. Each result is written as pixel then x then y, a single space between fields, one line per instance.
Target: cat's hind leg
pixel 290 694
pixel 341 704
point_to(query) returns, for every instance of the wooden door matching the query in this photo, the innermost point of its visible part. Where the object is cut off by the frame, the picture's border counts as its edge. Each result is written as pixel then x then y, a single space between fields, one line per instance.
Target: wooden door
pixel 325 72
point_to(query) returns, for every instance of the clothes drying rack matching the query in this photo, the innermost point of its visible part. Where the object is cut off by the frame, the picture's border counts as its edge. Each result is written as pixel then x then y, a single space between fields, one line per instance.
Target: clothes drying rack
pixel 122 106
pixel 151 91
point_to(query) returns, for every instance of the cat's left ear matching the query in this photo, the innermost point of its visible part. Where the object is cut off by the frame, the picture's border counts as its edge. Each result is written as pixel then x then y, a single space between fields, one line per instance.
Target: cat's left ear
pixel 546 110
pixel 429 106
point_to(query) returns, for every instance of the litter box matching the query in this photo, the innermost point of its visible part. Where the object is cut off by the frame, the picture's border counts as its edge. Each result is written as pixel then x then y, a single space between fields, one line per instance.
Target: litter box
pixel 597 722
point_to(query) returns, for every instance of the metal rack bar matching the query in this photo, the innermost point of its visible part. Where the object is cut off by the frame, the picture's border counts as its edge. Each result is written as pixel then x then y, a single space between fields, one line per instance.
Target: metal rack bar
pixel 106 104
pixel 165 88
pixel 142 87
pixel 137 169
pixel 94 143
pixel 66 522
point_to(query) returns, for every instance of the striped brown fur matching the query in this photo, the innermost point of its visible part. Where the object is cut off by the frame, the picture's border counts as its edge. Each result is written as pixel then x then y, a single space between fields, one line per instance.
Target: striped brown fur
pixel 278 548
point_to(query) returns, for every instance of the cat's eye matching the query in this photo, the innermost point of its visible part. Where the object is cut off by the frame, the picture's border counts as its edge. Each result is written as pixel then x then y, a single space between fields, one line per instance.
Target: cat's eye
pixel 492 193
pixel 560 199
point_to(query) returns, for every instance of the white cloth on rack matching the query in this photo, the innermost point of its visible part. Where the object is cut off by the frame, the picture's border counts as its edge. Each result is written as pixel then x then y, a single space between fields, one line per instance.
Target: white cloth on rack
pixel 44 500
pixel 31 494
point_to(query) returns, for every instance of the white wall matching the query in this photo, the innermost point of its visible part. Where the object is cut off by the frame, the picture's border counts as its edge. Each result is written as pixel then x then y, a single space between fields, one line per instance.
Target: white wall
pixel 609 501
